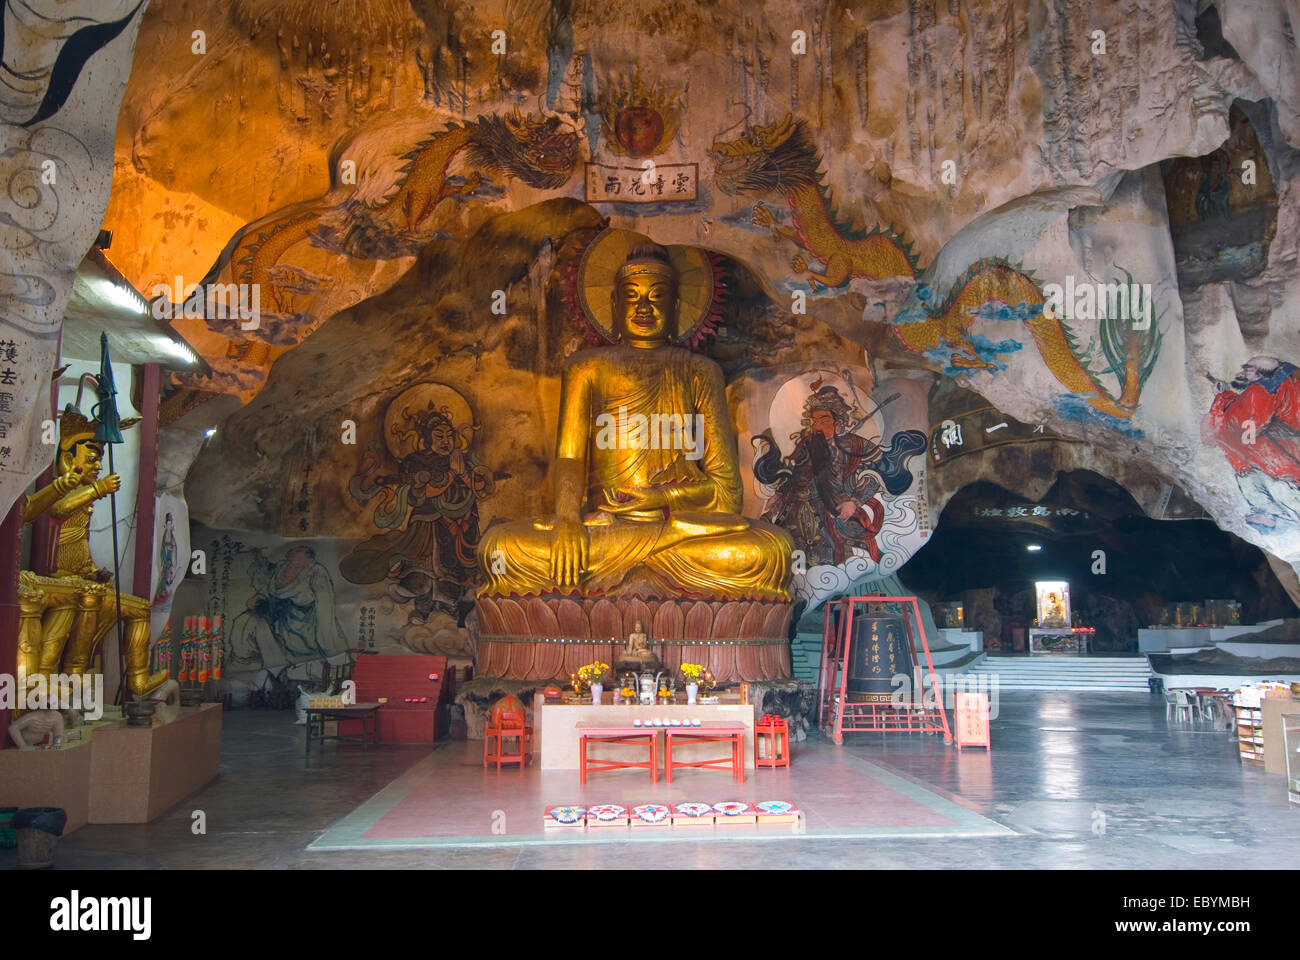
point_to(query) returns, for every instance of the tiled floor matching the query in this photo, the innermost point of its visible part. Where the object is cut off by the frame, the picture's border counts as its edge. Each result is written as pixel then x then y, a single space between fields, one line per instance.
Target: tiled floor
pixel 1077 781
pixel 449 799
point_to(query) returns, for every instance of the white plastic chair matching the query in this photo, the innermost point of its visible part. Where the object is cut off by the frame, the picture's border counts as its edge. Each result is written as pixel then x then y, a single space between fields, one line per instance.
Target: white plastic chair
pixel 1183 702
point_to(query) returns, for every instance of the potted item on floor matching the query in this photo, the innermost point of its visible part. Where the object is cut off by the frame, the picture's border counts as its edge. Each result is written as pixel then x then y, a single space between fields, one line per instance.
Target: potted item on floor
pixel 38 830
pixel 7 838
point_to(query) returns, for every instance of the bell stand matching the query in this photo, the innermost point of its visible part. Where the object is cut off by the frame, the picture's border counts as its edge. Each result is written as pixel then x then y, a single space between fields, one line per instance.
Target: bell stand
pixel 836 715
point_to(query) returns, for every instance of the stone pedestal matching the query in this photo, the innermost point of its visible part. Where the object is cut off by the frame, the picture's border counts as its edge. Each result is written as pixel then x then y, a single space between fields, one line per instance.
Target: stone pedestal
pixel 119 774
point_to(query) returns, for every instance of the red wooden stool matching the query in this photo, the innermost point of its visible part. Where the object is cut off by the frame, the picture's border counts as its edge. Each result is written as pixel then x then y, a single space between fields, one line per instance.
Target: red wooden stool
pixel 507 721
pixel 779 731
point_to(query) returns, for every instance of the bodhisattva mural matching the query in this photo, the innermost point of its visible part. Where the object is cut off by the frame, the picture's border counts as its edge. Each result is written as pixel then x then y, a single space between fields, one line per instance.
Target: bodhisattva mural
pixel 428 482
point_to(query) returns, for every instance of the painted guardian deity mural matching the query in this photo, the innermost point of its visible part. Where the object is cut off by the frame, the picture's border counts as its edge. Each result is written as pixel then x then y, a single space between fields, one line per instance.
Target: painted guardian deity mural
pixel 426 492
pixel 837 470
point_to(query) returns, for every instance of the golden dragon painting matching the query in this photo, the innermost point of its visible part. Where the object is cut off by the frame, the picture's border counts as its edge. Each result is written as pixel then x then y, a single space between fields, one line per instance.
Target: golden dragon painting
pixel 287 255
pixel 536 150
pixel 780 161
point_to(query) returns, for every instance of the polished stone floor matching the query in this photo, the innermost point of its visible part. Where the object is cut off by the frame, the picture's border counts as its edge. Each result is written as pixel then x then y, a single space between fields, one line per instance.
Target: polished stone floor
pixel 1082 780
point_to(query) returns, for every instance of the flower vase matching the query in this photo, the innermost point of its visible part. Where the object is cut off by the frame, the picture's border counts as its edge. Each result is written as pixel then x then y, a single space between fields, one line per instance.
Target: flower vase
pixel 691 690
pixel 596 691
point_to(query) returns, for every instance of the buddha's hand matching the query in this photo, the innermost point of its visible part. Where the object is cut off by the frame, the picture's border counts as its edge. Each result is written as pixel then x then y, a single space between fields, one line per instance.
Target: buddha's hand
pixel 568 552
pixel 106 485
pixel 625 500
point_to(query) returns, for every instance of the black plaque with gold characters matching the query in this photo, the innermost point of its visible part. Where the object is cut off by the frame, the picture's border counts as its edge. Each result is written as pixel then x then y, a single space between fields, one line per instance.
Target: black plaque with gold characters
pixel 880 652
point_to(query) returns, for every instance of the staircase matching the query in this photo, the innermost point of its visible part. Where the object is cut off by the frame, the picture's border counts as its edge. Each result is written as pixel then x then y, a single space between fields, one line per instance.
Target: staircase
pixel 1096 674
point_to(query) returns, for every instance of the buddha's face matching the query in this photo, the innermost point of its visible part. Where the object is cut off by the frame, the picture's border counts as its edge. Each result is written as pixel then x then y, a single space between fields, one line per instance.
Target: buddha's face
pixel 645 308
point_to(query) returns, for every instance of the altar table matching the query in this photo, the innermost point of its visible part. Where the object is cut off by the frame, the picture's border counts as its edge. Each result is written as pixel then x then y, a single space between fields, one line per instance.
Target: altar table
pixel 731 733
pixel 590 734
pixel 555 735
pixel 365 712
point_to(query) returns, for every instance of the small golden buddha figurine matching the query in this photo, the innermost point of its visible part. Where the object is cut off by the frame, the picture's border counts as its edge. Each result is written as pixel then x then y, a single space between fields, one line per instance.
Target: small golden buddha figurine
pixel 62 617
pixel 637 655
pixel 647 492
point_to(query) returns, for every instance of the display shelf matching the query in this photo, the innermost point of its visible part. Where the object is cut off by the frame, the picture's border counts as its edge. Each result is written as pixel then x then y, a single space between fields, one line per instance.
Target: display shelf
pixel 1250 732
pixel 1291 743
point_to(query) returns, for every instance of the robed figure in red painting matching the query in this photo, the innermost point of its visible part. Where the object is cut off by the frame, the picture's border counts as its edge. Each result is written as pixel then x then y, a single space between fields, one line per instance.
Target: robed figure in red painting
pixel 827 493
pixel 1255 420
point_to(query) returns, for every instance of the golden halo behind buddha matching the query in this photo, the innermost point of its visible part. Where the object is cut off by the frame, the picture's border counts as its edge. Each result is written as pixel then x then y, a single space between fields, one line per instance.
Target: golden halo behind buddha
pixel 699 284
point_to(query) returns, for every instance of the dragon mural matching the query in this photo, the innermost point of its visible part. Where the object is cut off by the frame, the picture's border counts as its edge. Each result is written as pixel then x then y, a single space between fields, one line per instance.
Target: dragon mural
pixel 781 161
pixel 288 254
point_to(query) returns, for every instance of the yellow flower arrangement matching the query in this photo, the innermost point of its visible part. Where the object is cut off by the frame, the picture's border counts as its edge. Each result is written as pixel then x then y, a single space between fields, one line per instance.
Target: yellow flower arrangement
pixel 592 672
pixel 692 672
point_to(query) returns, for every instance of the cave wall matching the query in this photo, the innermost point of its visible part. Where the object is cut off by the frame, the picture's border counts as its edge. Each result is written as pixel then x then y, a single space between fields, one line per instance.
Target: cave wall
pixel 890 189
pixel 67 67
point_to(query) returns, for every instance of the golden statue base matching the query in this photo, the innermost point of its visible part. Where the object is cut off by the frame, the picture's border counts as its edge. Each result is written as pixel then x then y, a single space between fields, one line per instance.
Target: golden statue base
pixel 549 637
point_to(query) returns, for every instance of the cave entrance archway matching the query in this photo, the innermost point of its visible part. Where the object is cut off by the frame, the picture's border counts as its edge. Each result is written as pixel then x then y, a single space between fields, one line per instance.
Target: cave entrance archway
pixel 980 556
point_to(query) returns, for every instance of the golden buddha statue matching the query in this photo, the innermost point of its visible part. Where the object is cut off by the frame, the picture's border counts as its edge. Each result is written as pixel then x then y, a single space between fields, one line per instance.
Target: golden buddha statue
pixel 647 493
pixel 63 617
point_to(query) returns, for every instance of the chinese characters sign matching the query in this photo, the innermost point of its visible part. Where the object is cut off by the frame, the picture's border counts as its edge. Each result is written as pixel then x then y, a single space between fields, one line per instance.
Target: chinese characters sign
pixel 981 429
pixel 659 183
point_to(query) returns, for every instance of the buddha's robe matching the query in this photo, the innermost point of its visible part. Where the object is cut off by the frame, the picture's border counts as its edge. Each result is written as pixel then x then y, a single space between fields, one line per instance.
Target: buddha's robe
pixel 699 546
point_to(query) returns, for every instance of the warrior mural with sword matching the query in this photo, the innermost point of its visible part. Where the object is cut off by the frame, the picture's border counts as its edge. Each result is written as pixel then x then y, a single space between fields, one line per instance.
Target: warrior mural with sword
pixel 827 492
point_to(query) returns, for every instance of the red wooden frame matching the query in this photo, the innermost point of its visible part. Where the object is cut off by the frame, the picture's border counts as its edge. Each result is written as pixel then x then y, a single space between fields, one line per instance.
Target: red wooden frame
pixel 616 733
pixel 836 715
pixel 733 734
pixel 779 753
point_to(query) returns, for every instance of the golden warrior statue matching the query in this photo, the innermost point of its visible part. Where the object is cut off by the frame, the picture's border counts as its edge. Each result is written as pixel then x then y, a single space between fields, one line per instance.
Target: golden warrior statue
pixel 63 617
pixel 647 487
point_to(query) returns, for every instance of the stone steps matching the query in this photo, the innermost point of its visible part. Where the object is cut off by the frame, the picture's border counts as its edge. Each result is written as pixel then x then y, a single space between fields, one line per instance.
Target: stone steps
pixel 1067 673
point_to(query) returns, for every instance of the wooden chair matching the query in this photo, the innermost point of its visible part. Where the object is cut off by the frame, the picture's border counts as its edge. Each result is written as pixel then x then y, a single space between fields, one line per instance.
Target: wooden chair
pixel 507 721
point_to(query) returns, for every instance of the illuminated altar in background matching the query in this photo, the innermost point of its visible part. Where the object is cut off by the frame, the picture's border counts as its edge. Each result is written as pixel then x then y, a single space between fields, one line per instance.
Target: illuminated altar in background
pixel 1053 631
pixel 1053 603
